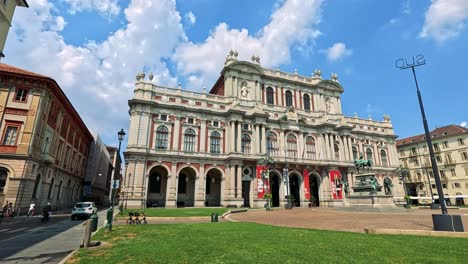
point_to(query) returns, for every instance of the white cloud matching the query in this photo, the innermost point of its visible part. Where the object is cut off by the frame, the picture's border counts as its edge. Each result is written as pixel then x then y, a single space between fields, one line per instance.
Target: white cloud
pixel 97 77
pixel 445 19
pixel 106 7
pixel 293 24
pixel 190 18
pixel 338 51
pixel 405 7
pixel 464 124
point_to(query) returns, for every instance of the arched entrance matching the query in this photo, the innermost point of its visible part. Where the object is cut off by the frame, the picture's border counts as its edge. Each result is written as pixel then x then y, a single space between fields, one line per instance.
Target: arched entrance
pixel 37 187
pixel 186 187
pixel 314 184
pixel 213 187
pixel 294 186
pixel 274 189
pixel 157 182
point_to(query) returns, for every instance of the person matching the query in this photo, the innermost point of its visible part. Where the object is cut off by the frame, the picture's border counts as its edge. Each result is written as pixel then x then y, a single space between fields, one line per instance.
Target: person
pixel 10 210
pixel 49 209
pixel 32 209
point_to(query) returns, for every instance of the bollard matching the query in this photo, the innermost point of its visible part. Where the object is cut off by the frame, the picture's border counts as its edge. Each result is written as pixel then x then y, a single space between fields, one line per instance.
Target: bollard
pixel 94 222
pixel 212 217
pixel 216 217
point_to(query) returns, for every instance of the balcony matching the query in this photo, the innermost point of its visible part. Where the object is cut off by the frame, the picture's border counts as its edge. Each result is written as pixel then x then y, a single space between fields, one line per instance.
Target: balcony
pixel 449 163
pixel 47 158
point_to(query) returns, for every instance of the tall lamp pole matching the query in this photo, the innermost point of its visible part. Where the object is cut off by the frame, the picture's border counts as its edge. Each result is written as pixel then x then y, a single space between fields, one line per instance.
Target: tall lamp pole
pixel 110 212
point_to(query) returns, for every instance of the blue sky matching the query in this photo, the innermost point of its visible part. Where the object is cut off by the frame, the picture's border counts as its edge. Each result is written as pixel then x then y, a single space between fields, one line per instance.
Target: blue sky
pixel 94 49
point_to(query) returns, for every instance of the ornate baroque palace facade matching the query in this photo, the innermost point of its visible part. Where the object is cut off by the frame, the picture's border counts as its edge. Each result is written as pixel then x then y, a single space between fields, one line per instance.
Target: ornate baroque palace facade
pixel 451 154
pixel 203 149
pixel 44 143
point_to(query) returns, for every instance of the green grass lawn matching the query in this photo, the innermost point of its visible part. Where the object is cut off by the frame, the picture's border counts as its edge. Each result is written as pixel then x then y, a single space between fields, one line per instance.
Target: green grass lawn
pixel 247 243
pixel 178 212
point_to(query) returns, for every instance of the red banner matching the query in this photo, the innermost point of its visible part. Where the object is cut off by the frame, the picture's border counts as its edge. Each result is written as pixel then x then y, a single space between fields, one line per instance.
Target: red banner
pixel 336 186
pixel 261 184
pixel 305 174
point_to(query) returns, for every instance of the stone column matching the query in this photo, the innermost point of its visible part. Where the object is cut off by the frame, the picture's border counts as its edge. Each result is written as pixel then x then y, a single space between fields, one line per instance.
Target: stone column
pixel 235 92
pixel 200 187
pixel 332 146
pixel 175 134
pixel 239 136
pixel 239 182
pixel 350 146
pixel 301 146
pixel 255 141
pixel 233 136
pixel 327 145
pixel 203 136
pixel 227 138
pixel 376 154
pixel 263 140
pixel 345 148
pixel 232 176
pixel 282 145
pixel 223 193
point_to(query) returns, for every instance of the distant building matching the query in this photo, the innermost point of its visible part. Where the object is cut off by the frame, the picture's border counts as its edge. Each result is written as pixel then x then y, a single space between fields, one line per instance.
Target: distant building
pixel 451 153
pixel 98 172
pixel 44 142
pixel 7 9
pixel 189 148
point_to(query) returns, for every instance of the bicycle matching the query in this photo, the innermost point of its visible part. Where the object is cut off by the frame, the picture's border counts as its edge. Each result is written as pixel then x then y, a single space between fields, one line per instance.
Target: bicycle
pixel 130 220
pixel 137 219
pixel 144 219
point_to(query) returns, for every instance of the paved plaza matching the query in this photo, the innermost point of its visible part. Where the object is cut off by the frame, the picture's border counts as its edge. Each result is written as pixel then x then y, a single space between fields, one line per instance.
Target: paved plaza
pixel 344 219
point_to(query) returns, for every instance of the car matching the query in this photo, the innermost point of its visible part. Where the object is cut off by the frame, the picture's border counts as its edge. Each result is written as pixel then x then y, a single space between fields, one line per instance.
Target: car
pixel 83 210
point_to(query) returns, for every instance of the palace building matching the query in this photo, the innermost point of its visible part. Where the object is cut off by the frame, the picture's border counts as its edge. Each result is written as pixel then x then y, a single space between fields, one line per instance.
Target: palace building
pixel 451 155
pixel 199 149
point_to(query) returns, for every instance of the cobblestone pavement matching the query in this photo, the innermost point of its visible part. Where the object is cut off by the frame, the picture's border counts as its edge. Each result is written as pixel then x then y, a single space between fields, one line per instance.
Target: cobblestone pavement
pixel 338 219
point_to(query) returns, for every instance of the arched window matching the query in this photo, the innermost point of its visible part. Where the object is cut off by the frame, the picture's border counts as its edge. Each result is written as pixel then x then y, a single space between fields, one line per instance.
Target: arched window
pixel 369 154
pixel 3 178
pixel 383 156
pixel 355 153
pixel 270 95
pixel 215 142
pixel 161 137
pixel 337 152
pixel 306 102
pixel 59 190
pixel 310 148
pixel 189 140
pixel 292 146
pixel 51 189
pixel 245 144
pixel 289 98
pixel 37 186
pixel 272 144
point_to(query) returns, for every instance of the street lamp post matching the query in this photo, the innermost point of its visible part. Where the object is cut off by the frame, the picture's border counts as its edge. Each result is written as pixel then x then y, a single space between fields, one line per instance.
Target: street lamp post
pixel 110 212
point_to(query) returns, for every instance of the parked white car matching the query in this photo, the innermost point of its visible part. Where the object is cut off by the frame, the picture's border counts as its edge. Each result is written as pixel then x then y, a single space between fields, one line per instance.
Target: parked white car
pixel 83 210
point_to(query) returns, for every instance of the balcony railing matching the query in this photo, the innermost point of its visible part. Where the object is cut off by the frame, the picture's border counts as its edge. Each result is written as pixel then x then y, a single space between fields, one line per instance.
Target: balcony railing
pixel 449 163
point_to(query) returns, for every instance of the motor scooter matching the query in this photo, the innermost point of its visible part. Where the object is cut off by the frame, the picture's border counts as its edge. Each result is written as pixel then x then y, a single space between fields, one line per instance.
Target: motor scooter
pixel 45 216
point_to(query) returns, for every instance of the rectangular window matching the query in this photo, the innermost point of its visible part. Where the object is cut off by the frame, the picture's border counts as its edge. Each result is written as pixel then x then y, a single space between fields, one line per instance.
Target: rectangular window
pixel 452 171
pixel 416 163
pixel 433 186
pixel 413 151
pixel 21 95
pixel 457 185
pixel 11 135
pixel 431 175
pixel 190 121
pixel 246 126
pixel 424 148
pixel 464 156
pixel 444 186
pixel 163 117
pixel 446 144
pixel 215 123
pixel 461 141
pixel 466 171
pixel 439 159
pixel 442 174
pixel 436 147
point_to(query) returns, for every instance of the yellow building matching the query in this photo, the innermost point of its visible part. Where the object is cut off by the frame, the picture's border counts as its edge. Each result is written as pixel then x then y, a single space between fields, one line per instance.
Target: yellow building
pixel 451 154
pixel 7 9
pixel 44 142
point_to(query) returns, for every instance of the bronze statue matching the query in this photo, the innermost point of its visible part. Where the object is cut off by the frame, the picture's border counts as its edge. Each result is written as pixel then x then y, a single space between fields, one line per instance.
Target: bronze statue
pixel 387 186
pixel 362 163
pixel 373 184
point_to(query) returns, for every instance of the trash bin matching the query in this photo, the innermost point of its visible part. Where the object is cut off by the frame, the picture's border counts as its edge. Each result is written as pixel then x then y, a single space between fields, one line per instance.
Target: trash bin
pixel 212 217
pixel 94 222
pixel 216 217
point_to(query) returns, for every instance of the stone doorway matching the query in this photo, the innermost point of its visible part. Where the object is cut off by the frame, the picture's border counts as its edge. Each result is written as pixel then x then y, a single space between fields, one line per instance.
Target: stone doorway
pixel 294 185
pixel 186 187
pixel 213 188
pixel 314 185
pixel 157 186
pixel 274 189
pixel 246 193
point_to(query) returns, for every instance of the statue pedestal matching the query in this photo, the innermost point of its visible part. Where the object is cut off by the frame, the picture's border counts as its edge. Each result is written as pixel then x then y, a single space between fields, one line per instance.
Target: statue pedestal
pixel 368 193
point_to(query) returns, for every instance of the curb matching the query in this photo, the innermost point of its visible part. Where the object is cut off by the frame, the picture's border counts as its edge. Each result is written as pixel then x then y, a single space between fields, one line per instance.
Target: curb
pixel 68 256
pixel 431 233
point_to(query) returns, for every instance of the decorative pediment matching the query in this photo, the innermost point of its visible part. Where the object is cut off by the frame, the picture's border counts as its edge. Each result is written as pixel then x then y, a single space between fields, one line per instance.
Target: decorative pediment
pixel 246 67
pixel 330 85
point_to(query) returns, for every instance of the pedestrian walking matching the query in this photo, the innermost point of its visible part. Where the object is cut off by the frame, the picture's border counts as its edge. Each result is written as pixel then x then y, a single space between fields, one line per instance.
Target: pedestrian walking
pixel 32 209
pixel 10 210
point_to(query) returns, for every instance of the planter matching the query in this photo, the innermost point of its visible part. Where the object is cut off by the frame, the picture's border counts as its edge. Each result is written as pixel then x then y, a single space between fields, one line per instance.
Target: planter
pixel 288 206
pixel 310 205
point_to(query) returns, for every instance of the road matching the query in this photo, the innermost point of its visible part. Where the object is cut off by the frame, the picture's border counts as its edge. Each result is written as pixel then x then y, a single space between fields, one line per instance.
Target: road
pixel 27 240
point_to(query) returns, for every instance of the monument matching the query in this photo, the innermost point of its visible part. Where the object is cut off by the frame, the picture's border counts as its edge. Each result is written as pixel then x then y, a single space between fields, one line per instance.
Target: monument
pixel 367 191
